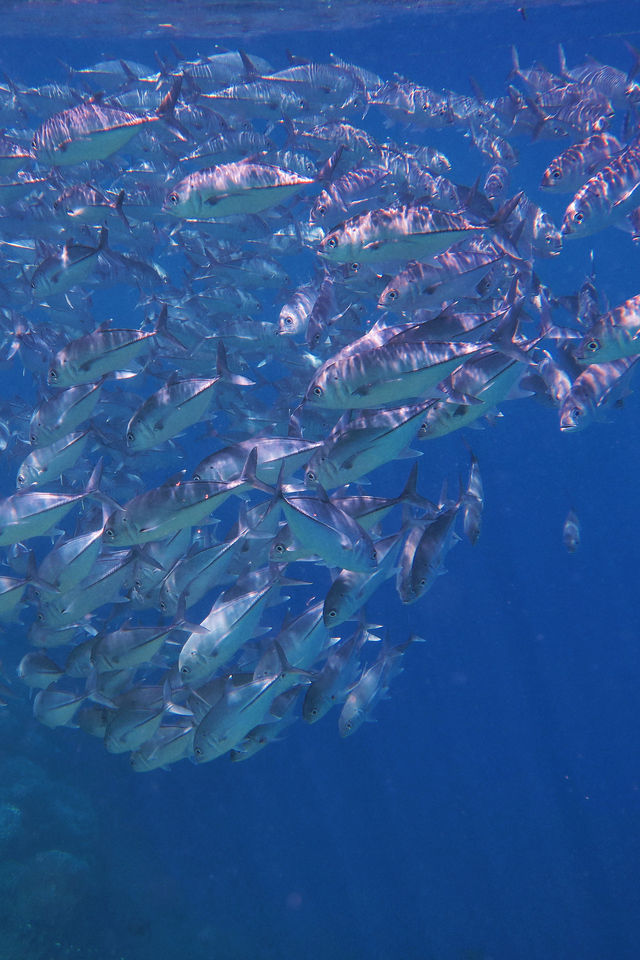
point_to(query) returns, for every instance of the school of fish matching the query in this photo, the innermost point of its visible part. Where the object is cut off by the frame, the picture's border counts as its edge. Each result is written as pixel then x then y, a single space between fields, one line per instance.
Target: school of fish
pixel 230 257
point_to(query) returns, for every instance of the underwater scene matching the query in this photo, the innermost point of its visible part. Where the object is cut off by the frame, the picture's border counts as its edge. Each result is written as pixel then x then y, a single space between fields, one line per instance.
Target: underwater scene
pixel 319 432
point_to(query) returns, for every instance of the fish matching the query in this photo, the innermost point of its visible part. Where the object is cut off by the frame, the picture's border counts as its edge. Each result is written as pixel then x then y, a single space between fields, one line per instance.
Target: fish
pixel 392 235
pixel 598 388
pixel 391 373
pixel 61 271
pixel 423 553
pixel 47 463
pixel 94 130
pixel 612 336
pixel 28 514
pixel 371 687
pixel 231 622
pixel 327 530
pixel 104 351
pixel 228 189
pixel 575 165
pixel 607 197
pixel 571 532
pixel 473 502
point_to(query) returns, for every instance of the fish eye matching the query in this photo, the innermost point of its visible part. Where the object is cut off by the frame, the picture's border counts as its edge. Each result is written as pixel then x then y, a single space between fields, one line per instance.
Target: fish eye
pixel 317 391
pixel 576 412
pixel 392 294
pixel 288 320
pixel 21 478
pixel 355 267
pixel 423 582
pixel 53 375
pixel 33 438
pixel 332 614
pixel 40 616
pixel 163 605
pixel 556 174
pixel 197 751
pixel 173 198
pixel 109 532
pixel 131 438
pixel 279 549
pixel 593 345
pixel 311 477
pixel 578 217
pixel 332 242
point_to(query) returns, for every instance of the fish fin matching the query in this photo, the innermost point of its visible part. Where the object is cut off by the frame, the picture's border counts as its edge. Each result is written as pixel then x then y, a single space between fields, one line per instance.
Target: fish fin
pixel 250 69
pixel 118 209
pixel 327 171
pixel 224 373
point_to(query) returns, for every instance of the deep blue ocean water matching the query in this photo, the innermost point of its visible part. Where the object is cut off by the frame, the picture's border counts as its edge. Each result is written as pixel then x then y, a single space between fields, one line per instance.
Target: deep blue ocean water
pixel 492 811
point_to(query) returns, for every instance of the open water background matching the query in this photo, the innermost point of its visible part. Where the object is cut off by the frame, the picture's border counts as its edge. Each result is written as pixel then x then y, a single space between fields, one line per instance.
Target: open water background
pixel 492 812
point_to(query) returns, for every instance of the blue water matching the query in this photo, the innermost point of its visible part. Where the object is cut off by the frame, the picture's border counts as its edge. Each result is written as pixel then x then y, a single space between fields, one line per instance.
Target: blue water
pixel 492 811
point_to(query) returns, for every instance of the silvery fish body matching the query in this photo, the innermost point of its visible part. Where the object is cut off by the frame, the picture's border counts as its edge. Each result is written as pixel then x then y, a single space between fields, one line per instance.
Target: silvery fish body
pixel 71 560
pixel 613 336
pixel 47 463
pixel 97 354
pixel 101 585
pixel 350 590
pixel 61 271
pixel 127 647
pixel 93 130
pixel 168 745
pixel 61 413
pixel 571 532
pixel 575 165
pixel 607 197
pixel 489 378
pixel 162 511
pixel 32 513
pixel 196 574
pixel 335 678
pixel 38 670
pixel 233 188
pixel 168 412
pixel 370 688
pixel 11 593
pixel 233 619
pixel 473 503
pixel 423 554
pixel 356 447
pixel 594 392
pixel 274 454
pixel 328 531
pixel 390 374
pixel 396 234
pixel 303 641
